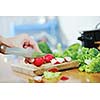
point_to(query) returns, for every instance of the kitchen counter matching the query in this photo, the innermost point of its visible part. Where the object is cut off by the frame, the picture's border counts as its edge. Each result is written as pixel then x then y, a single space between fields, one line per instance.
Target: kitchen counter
pixel 7 75
pixel 74 76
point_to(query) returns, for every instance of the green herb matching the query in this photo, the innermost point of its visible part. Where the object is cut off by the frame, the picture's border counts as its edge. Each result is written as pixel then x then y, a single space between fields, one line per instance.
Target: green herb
pixel 44 47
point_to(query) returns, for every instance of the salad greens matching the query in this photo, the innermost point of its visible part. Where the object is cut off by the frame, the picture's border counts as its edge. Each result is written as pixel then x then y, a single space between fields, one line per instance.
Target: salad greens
pixel 72 51
pixel 50 75
pixel 89 59
pixel 59 52
pixel 86 54
pixel 93 66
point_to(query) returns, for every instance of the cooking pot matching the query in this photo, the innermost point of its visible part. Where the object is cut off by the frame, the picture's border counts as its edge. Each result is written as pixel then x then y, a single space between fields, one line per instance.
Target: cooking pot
pixel 90 38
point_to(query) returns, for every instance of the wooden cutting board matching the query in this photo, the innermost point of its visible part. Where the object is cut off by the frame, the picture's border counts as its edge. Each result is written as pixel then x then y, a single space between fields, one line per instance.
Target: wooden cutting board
pixel 33 70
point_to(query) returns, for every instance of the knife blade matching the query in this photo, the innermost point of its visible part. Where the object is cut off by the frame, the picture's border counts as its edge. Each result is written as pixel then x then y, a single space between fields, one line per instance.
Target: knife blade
pixel 30 53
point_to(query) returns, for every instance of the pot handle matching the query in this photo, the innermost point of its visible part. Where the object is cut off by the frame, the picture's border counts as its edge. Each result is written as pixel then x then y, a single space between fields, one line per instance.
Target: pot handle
pixel 96 27
pixel 85 38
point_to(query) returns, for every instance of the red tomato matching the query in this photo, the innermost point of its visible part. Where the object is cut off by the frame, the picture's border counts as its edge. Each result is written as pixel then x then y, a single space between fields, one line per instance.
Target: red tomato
pixel 64 78
pixel 48 58
pixel 53 70
pixel 38 61
pixel 57 63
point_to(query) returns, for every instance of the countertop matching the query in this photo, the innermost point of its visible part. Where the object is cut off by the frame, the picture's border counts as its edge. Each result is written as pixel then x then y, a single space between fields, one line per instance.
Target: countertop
pixel 7 75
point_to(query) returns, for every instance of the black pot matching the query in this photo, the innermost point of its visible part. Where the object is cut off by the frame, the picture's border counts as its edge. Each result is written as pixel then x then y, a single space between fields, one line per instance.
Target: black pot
pixel 89 38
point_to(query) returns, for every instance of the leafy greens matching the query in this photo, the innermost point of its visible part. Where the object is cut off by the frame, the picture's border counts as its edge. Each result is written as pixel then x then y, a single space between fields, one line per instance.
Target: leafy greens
pixel 89 59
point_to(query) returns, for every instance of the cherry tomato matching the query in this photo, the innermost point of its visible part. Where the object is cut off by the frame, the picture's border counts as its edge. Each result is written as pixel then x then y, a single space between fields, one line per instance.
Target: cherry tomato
pixel 38 61
pixel 48 58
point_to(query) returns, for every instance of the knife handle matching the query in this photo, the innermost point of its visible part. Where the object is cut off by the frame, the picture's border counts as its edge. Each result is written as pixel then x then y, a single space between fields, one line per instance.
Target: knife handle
pixel 2 48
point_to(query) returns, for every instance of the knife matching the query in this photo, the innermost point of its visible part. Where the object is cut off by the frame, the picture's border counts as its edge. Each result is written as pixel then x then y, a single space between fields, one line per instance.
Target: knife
pixel 30 53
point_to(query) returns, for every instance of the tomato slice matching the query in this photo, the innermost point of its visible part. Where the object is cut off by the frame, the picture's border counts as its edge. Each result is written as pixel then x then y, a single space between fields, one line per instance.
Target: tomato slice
pixel 53 70
pixel 64 78
pixel 57 63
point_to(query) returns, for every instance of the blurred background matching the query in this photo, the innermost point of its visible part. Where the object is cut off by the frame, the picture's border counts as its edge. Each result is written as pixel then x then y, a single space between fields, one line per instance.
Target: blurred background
pixel 53 29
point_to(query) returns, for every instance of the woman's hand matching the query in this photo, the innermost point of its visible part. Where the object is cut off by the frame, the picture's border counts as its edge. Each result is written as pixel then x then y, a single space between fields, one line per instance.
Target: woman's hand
pixel 21 41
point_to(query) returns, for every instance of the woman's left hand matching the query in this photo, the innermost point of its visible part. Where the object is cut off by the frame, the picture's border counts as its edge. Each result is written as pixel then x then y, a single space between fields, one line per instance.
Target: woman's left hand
pixel 24 41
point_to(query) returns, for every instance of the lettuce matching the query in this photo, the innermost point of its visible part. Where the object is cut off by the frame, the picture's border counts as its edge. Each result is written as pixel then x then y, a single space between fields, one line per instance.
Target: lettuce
pixel 86 54
pixel 89 59
pixel 94 66
pixel 72 51
pixel 50 75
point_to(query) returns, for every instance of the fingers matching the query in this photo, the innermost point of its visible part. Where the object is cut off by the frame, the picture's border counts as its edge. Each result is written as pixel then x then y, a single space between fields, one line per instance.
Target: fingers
pixel 24 41
pixel 34 45
pixel 31 44
pixel 28 42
